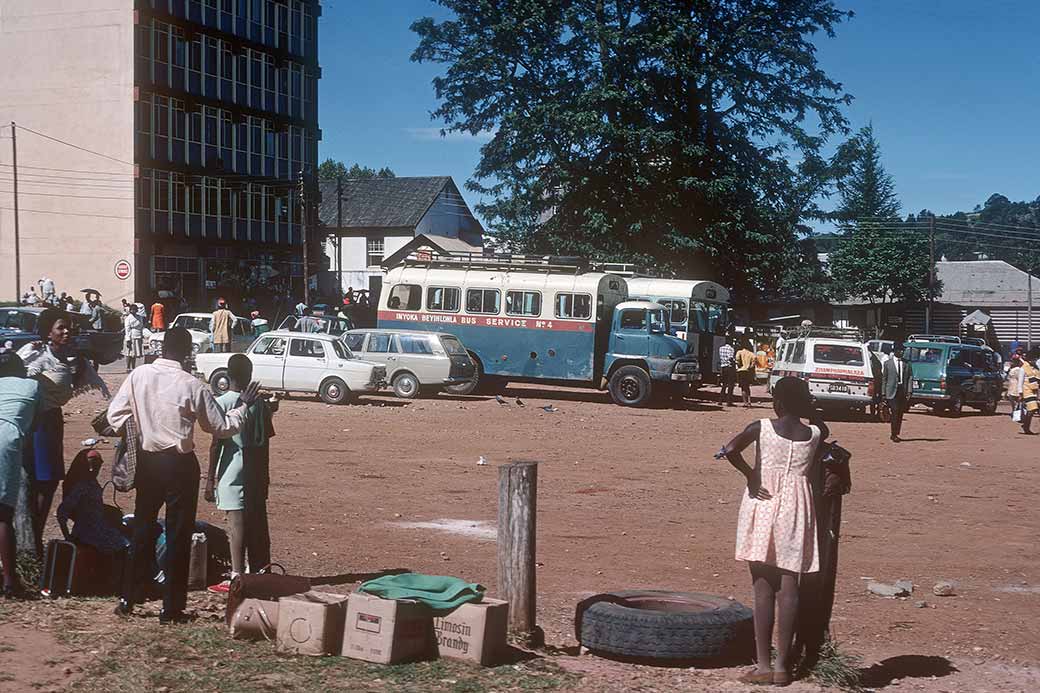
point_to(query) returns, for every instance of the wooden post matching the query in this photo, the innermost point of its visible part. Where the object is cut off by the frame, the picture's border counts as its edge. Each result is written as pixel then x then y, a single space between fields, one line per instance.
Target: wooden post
pixel 517 514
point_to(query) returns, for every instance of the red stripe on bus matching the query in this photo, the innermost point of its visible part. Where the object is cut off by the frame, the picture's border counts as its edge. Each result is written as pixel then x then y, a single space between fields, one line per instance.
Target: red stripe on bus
pixel 505 321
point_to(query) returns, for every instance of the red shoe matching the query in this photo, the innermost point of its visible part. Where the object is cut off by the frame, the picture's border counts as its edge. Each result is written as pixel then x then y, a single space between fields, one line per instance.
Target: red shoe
pixel 220 587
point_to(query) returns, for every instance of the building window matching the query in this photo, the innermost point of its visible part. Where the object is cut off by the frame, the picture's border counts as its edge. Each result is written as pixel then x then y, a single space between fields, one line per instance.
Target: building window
pixel 375 252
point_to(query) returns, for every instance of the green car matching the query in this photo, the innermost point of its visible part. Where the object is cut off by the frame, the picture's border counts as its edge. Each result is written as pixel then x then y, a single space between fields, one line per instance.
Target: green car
pixel 951 373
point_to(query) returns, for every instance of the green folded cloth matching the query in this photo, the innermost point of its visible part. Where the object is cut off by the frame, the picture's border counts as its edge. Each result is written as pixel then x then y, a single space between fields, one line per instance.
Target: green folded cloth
pixel 439 592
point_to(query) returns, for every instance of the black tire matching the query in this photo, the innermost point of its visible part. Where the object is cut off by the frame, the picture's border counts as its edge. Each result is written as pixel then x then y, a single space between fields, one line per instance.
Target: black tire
pixel 630 386
pixel 220 381
pixel 406 385
pixel 334 391
pixel 651 624
pixel 989 408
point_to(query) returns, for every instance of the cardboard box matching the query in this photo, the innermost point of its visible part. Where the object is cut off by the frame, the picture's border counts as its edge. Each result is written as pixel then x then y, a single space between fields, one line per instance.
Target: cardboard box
pixel 311 623
pixel 474 632
pixel 386 631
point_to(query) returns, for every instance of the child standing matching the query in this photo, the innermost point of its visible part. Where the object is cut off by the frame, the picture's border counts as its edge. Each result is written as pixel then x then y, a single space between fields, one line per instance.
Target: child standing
pixel 239 476
pixel 776 531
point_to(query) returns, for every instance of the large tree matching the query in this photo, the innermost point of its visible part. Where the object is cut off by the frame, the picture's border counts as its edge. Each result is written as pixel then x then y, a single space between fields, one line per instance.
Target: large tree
pixel 878 258
pixel 669 132
pixel 331 169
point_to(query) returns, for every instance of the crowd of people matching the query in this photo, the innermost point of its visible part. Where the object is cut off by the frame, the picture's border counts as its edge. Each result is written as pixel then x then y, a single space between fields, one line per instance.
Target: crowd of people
pixel 164 402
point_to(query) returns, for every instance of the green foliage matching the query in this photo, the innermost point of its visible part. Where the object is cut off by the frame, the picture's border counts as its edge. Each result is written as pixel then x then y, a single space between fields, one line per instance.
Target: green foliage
pixel 650 131
pixel 806 279
pixel 867 191
pixel 880 265
pixel 332 169
pixel 837 668
pixel 987 233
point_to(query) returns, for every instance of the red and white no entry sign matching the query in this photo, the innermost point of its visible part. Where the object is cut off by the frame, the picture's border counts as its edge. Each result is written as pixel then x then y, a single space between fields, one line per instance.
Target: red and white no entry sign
pixel 122 270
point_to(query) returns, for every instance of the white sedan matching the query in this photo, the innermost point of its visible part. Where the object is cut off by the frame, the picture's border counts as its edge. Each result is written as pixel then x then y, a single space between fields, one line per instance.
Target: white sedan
pixel 197 325
pixel 298 362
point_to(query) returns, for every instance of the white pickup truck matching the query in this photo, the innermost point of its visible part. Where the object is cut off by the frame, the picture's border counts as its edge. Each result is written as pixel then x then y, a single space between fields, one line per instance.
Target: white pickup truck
pixel 299 362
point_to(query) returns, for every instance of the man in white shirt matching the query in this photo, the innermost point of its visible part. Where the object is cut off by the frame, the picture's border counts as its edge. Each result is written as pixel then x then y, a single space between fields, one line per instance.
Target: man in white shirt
pixel 165 402
pixel 133 332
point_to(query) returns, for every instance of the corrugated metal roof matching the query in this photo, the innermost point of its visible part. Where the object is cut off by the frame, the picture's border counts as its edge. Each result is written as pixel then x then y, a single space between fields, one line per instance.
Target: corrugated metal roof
pixel 380 202
pixel 985 283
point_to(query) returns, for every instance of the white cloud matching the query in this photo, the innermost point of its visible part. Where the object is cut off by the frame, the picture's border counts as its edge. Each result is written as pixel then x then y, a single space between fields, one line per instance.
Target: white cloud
pixel 434 135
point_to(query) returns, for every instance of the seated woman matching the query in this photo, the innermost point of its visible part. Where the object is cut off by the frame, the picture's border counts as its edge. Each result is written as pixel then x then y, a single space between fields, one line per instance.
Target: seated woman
pixel 81 501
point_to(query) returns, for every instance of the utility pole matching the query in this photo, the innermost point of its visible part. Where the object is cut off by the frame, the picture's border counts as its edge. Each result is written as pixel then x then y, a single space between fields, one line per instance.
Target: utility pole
pixel 17 240
pixel 303 237
pixel 1029 309
pixel 931 275
pixel 339 239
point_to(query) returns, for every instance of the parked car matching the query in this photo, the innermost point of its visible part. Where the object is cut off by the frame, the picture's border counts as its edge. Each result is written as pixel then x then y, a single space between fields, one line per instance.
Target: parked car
pixel 834 362
pixel 201 338
pixel 950 373
pixel 326 324
pixel 297 362
pixel 416 361
pixel 18 325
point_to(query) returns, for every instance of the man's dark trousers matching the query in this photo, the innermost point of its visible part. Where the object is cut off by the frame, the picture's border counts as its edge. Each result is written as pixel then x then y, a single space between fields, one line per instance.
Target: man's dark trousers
pixel 256 462
pixel 169 477
pixel 897 406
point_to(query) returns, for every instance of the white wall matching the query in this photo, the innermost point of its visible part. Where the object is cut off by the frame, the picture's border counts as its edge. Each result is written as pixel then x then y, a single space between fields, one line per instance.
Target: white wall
pixel 66 70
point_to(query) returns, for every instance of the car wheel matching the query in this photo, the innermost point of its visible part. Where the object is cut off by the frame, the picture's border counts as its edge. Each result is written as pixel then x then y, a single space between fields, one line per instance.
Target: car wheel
pixel 406 386
pixel 220 381
pixel 989 408
pixel 334 391
pixel 630 386
pixel 466 388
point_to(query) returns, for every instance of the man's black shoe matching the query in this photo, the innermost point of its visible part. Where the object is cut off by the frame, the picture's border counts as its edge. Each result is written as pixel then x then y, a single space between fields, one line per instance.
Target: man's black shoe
pixel 897 439
pixel 123 609
pixel 175 617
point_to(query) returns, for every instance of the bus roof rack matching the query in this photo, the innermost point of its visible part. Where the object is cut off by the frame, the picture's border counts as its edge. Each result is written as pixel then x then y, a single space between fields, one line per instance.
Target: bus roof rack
pixel 946 339
pixel 498 261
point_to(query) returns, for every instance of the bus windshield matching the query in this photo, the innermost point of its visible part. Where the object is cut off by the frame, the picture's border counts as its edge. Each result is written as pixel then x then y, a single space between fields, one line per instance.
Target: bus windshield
pixel 708 318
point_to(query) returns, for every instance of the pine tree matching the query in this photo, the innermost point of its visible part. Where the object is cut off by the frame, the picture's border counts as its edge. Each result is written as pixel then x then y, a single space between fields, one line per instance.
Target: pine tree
pixel 868 191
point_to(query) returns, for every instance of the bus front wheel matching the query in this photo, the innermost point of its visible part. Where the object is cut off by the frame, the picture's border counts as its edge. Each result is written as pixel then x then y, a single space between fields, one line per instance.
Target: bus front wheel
pixel 630 386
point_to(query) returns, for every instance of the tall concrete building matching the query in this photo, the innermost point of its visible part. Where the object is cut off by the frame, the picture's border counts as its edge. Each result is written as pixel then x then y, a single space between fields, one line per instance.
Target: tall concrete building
pixel 159 144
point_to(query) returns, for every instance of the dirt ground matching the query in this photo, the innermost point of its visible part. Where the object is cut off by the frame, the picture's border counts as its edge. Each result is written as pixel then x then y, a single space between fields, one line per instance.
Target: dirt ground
pixel 632 498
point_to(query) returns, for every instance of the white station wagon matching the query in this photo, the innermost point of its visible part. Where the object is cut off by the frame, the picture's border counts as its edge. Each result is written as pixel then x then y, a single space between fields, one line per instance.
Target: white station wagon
pixel 296 362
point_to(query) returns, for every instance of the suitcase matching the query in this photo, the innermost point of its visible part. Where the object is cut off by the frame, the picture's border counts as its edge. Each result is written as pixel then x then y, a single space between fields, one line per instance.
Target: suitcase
pixel 59 568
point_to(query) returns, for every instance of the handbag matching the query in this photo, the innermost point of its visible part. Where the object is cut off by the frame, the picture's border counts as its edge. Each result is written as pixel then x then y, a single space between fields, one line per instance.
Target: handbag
pixel 837 478
pixel 256 595
pixel 124 467
pixel 1016 413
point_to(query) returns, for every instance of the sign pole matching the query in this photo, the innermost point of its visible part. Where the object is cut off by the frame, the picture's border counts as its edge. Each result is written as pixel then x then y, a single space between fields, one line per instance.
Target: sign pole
pixel 17 238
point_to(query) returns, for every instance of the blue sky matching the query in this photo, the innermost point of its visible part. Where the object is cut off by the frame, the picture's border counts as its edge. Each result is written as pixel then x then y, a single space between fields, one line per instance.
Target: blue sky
pixel 950 86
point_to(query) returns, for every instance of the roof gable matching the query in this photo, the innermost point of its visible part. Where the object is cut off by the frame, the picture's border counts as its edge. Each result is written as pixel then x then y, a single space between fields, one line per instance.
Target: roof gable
pixel 380 202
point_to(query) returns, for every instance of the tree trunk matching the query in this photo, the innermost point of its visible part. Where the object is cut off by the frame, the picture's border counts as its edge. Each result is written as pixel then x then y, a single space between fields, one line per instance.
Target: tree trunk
pixel 23 525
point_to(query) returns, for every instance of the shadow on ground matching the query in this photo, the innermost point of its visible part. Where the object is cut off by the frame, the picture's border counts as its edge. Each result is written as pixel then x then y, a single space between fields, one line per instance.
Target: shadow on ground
pixel 906 666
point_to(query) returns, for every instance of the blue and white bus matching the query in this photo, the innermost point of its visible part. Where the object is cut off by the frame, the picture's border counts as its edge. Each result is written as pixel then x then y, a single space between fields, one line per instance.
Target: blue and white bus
pixel 698 312
pixel 533 320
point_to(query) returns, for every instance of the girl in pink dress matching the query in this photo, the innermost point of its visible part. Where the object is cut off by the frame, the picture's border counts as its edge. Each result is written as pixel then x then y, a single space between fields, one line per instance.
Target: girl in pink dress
pixel 776 532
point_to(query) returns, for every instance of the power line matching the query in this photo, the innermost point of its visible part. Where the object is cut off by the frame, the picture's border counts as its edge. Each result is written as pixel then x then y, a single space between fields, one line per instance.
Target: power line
pixel 969 222
pixel 73 197
pixel 69 214
pixel 67 170
pixel 74 146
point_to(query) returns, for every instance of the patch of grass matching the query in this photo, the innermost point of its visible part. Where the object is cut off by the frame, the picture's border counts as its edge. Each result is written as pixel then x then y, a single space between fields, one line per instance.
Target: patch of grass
pixel 140 655
pixel 837 668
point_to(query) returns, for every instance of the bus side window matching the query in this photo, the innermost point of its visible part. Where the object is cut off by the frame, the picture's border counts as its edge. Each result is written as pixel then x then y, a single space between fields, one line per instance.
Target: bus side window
pixel 523 303
pixel 576 306
pixel 443 298
pixel 483 301
pixel 405 297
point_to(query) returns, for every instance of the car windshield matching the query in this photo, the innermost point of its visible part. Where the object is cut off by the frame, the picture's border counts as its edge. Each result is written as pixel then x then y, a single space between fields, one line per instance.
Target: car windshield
pixel 191 322
pixel 452 345
pixel 341 350
pixel 841 354
pixel 658 320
